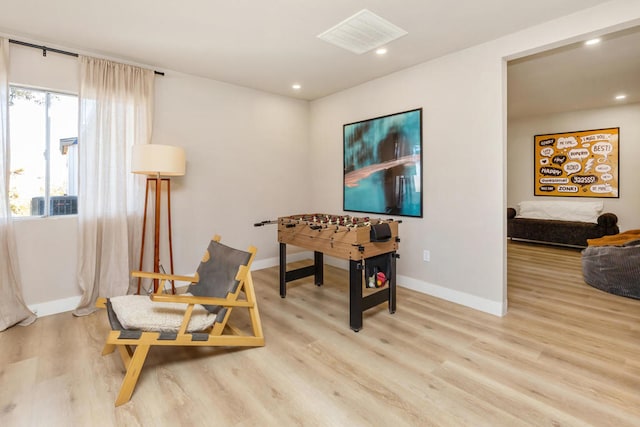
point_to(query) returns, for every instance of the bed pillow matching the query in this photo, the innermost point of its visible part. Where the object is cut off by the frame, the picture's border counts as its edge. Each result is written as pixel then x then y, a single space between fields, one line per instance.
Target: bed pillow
pixel 561 210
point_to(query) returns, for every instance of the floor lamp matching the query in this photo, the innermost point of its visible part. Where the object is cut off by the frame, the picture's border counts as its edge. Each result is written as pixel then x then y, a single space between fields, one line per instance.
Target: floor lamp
pixel 157 161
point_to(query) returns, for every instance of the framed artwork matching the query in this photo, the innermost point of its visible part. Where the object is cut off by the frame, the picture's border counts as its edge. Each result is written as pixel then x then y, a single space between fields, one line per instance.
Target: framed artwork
pixel 577 164
pixel 383 165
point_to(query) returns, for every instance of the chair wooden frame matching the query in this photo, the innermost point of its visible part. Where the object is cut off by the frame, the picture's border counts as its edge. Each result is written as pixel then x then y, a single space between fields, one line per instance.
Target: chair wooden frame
pixel 220 334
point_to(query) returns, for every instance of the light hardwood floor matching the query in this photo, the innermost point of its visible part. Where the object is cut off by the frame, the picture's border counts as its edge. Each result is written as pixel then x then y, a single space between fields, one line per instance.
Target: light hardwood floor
pixel 565 354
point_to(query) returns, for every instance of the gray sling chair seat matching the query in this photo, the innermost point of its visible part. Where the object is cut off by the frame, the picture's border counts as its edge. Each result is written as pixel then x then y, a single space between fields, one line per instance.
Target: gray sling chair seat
pixel 196 318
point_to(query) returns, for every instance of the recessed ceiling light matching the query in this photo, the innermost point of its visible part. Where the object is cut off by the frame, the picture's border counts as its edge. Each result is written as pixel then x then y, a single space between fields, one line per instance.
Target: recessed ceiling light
pixel 381 51
pixel 296 86
pixel 620 97
pixel 592 42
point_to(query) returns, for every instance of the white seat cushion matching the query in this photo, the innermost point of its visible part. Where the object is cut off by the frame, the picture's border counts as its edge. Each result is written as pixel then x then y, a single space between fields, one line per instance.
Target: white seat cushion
pixel 139 312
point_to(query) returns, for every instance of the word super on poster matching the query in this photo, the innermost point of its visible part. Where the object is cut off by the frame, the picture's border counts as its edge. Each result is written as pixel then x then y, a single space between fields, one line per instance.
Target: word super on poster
pixel 578 164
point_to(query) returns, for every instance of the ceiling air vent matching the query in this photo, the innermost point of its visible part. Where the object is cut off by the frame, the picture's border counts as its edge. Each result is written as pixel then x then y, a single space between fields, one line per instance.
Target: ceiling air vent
pixel 362 32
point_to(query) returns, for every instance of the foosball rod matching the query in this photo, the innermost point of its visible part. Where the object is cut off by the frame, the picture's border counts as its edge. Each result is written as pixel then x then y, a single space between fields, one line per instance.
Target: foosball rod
pixel 267 222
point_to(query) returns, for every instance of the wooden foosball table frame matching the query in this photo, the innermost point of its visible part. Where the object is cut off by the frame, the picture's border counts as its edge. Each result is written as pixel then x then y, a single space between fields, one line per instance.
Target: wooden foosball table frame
pixel 367 244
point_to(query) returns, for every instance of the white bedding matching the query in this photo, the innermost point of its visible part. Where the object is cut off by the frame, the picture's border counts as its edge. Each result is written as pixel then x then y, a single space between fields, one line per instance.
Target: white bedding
pixel 561 210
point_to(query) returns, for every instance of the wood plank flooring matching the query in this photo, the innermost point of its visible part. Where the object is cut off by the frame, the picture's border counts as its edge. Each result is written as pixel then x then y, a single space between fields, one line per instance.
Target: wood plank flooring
pixel 566 354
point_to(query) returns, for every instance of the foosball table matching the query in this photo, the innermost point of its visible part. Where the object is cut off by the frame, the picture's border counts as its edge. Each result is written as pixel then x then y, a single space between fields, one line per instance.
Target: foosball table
pixel 370 245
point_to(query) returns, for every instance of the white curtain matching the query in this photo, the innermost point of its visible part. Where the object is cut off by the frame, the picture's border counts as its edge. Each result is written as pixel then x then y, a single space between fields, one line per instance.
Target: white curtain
pixel 116 102
pixel 12 307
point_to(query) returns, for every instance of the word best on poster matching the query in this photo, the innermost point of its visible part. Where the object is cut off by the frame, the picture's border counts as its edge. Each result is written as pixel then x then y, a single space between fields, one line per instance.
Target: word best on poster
pixel 578 164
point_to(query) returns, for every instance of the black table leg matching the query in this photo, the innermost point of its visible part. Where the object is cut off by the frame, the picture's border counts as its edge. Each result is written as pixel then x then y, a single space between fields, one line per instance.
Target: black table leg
pixel 392 283
pixel 355 295
pixel 318 262
pixel 357 302
pixel 283 270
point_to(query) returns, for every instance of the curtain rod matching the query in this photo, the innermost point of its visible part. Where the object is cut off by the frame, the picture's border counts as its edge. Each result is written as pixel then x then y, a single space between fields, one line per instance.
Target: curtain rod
pixel 54 50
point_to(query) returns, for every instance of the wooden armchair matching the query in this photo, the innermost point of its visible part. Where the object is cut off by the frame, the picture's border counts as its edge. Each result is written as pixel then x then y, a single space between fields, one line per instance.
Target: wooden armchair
pixel 198 318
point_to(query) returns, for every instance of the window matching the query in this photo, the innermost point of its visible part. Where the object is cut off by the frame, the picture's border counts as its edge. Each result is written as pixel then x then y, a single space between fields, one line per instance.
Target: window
pixel 43 133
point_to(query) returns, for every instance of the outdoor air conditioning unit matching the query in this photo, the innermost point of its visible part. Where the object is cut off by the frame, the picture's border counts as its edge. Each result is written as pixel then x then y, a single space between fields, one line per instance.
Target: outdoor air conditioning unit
pixel 58 205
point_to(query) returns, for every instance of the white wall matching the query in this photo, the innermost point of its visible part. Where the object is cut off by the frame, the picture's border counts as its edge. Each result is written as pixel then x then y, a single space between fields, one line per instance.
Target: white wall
pixel 464 154
pixel 462 147
pixel 520 155
pixel 253 156
pixel 247 161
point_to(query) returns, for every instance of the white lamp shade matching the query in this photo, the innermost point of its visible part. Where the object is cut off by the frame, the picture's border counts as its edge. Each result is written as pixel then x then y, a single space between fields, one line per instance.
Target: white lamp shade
pixel 154 159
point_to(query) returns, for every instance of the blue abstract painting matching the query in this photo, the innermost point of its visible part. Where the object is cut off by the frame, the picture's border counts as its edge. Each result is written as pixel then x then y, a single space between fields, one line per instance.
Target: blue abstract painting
pixel 383 165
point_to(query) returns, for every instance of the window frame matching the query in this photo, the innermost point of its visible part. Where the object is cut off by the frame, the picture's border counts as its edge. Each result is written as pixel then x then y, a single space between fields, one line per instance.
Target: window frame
pixel 47 150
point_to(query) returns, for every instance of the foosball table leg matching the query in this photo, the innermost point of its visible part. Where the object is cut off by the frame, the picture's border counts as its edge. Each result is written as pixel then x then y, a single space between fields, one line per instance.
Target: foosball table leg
pixel 355 295
pixel 283 270
pixel 392 282
pixel 318 262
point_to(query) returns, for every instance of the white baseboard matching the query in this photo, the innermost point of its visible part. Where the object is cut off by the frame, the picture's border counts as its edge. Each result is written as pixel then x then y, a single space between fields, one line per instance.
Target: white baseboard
pixel 271 262
pixel 54 307
pixel 69 304
pixel 451 295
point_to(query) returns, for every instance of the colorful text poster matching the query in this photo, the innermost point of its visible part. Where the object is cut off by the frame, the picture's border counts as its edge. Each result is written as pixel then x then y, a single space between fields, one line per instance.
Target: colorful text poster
pixel 578 164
